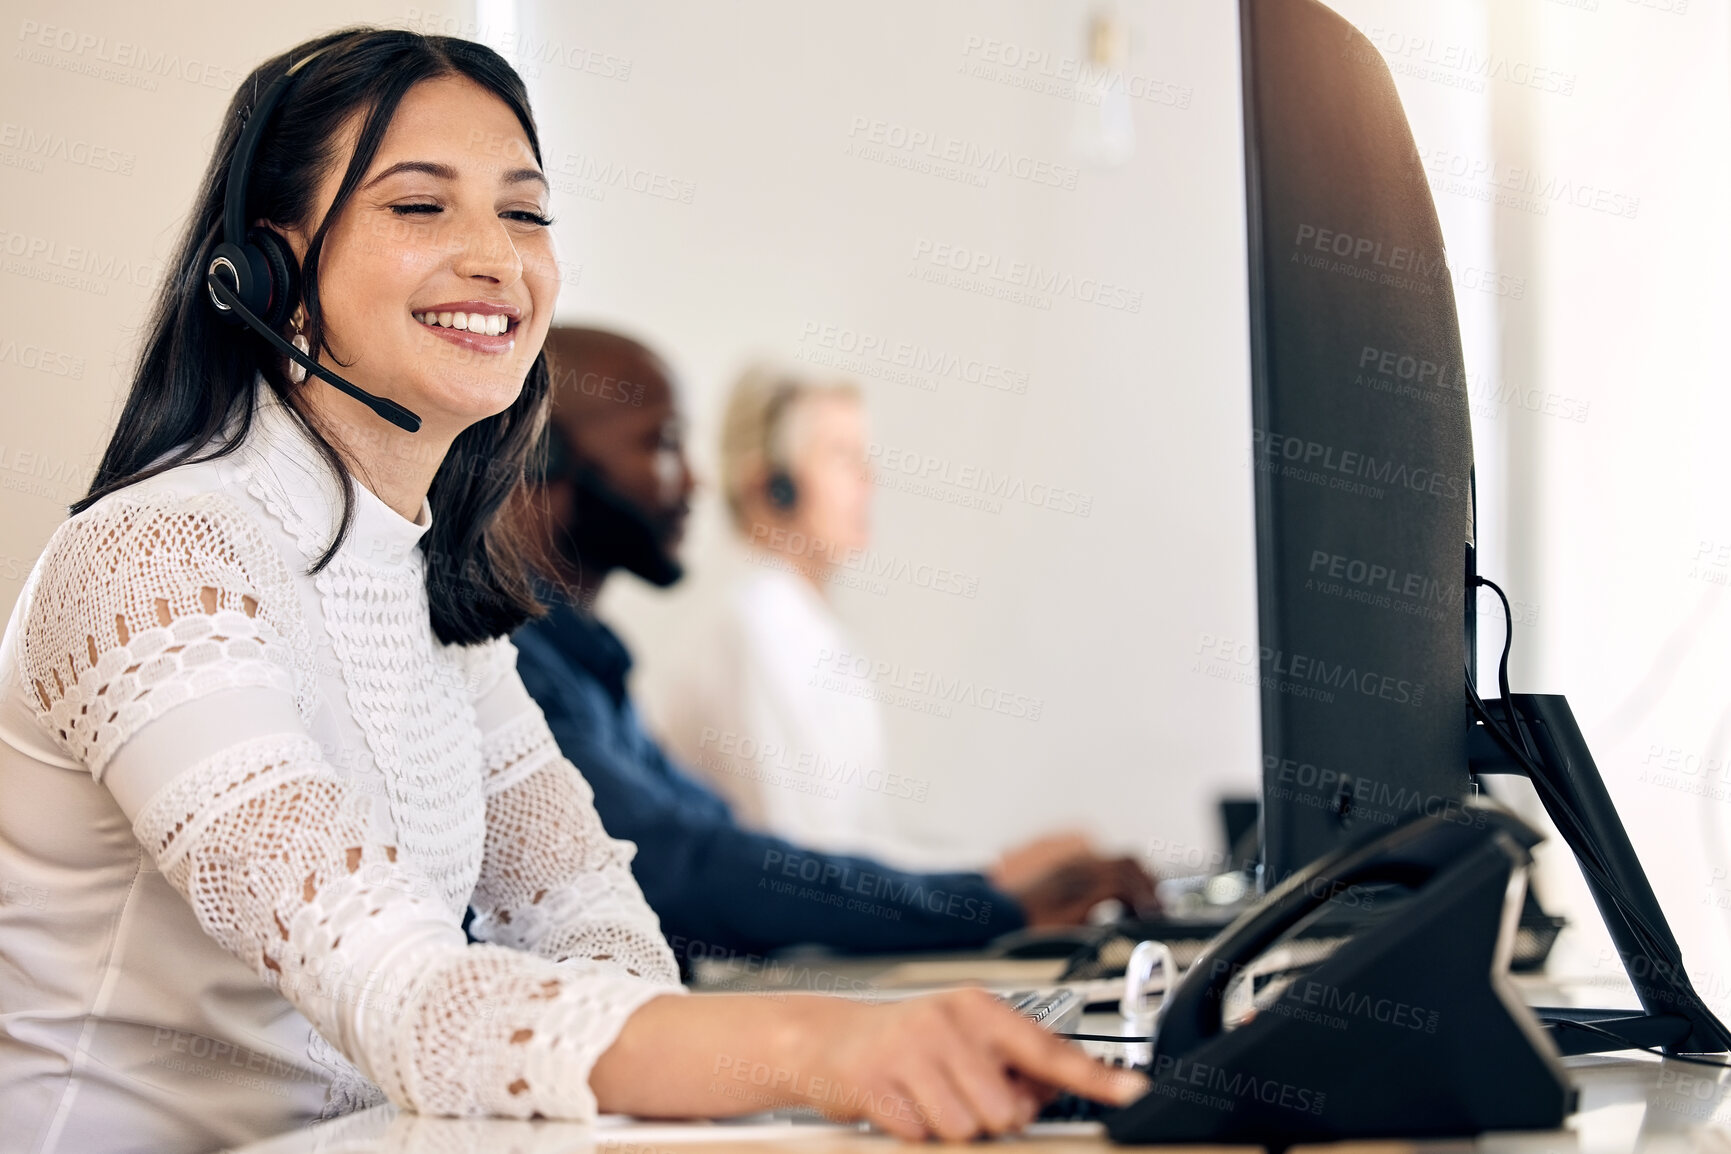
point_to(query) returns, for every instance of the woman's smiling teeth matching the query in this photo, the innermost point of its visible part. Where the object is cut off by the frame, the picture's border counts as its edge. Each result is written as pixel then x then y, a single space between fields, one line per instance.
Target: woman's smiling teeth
pixel 487 324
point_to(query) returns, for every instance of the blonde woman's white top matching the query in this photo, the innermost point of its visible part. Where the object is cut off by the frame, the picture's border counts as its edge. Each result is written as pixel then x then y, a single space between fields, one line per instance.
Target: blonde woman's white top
pixel 243 810
pixel 770 710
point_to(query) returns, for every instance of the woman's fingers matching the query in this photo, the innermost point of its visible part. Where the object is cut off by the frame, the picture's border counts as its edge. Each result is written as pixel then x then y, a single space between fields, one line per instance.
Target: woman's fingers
pixel 1044 1057
pixel 981 1079
pixel 907 1128
pixel 1036 1095
pixel 965 1065
pixel 933 1098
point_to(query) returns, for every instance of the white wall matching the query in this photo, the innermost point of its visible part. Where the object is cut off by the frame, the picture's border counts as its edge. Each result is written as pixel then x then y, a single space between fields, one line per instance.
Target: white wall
pixel 1142 415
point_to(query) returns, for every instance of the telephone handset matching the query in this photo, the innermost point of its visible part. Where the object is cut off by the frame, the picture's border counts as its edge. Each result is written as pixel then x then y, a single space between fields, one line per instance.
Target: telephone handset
pixel 1408 1029
pixel 1407 856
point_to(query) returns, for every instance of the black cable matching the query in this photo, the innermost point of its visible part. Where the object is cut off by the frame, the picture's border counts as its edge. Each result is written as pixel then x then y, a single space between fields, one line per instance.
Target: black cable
pixel 1503 663
pixel 1102 1037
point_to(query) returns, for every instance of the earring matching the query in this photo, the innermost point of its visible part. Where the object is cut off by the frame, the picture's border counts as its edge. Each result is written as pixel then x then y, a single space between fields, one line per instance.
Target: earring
pixel 296 371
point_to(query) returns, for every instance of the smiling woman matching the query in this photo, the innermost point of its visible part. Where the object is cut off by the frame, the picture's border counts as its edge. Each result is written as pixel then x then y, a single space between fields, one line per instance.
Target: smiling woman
pixel 263 741
pixel 386 210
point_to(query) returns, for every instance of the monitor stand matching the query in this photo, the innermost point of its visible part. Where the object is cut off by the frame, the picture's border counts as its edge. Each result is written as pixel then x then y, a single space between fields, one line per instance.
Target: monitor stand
pixel 1676 1019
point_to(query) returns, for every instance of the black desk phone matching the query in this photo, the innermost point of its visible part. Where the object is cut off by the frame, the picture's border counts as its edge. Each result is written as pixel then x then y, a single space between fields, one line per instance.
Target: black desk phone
pixel 1409 1029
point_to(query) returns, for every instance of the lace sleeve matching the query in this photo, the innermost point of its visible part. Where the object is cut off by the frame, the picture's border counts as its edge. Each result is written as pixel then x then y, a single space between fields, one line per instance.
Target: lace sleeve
pixel 155 649
pixel 142 606
pixel 552 881
pixel 267 846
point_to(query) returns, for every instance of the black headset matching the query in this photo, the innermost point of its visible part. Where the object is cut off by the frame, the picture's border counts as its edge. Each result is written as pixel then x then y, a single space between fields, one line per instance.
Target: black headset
pixel 780 487
pixel 253 277
pixel 783 491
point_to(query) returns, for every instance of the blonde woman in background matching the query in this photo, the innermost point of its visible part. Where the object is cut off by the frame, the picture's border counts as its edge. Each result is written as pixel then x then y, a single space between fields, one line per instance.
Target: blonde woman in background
pixel 752 710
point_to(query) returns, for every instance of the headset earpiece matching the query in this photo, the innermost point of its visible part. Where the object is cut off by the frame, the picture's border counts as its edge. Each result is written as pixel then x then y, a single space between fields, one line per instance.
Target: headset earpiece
pixel 285 274
pixel 238 270
pixel 256 271
pixel 262 273
pixel 779 486
pixel 783 493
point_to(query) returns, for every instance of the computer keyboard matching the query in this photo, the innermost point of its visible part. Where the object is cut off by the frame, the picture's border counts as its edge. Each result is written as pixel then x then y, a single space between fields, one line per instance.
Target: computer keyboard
pixel 1057 1010
pixel 1053 1009
pixel 1068 1107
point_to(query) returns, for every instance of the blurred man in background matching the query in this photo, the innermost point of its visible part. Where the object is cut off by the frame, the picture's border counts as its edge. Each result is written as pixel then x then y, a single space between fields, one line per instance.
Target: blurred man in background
pixel 615 495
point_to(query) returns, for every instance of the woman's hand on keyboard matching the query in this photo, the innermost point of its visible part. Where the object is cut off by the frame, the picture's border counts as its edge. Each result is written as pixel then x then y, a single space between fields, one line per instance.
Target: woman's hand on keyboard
pixel 956 1065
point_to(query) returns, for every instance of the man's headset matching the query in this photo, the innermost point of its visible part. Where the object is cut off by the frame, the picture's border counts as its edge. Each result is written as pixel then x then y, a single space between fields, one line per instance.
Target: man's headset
pixel 253 277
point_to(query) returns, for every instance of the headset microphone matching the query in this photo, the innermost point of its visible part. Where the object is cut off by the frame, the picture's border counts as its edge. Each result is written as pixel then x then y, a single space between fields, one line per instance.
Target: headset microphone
pixel 253 278
pixel 383 406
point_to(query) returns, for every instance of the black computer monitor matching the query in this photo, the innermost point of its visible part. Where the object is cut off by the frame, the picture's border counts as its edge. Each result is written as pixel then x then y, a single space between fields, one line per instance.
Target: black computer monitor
pixel 1362 448
pixel 1360 443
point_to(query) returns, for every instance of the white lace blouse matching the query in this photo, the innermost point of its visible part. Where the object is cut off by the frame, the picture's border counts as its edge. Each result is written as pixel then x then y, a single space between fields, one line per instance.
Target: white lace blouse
pixel 242 812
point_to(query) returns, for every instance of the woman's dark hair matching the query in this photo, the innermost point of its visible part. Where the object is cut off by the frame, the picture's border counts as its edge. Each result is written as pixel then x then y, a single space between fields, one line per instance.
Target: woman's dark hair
pixel 192 396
